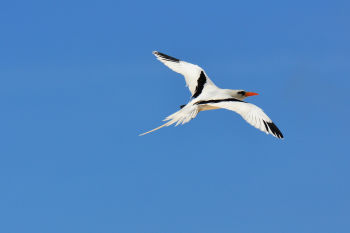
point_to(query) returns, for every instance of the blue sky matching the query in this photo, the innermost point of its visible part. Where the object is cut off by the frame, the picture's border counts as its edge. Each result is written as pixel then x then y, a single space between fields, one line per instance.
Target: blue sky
pixel 79 83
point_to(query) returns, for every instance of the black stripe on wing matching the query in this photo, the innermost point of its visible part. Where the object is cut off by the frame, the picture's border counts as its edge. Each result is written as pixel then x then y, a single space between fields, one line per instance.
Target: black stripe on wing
pixel 218 101
pixel 200 85
pixel 166 57
pixel 273 129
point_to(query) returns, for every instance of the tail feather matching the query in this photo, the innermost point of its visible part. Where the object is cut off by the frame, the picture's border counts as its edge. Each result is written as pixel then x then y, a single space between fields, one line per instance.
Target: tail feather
pixel 159 127
pixel 180 117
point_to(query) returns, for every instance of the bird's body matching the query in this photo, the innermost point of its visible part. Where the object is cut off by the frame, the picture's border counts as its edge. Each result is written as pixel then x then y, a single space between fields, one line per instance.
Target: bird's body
pixel 207 96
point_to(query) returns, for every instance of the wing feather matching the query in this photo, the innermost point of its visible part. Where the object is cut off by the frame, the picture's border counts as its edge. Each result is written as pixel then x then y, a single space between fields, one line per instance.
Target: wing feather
pixel 195 77
pixel 252 114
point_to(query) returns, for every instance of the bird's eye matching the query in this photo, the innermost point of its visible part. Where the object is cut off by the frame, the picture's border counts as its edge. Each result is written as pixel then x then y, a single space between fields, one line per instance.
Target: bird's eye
pixel 241 92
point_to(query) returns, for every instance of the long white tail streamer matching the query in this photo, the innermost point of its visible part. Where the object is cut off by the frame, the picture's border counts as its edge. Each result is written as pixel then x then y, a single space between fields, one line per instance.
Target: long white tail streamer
pixel 181 117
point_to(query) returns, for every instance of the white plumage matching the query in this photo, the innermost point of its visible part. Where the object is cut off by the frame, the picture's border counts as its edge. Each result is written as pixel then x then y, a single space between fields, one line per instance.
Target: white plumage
pixel 207 96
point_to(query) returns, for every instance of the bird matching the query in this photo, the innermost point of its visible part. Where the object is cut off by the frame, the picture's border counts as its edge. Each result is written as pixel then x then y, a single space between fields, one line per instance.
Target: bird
pixel 207 96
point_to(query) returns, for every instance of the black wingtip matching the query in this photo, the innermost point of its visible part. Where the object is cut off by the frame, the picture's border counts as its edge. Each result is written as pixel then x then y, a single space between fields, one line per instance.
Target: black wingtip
pixel 166 57
pixel 274 130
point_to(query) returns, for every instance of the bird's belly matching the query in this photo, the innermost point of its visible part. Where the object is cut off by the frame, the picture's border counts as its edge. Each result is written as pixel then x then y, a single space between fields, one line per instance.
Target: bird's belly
pixel 207 107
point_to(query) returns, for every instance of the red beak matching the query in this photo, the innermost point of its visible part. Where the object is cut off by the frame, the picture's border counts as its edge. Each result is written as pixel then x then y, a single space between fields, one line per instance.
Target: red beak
pixel 250 94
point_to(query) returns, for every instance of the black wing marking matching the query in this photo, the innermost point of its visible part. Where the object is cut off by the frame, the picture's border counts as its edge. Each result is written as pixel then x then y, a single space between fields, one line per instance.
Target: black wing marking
pixel 166 57
pixel 200 85
pixel 274 130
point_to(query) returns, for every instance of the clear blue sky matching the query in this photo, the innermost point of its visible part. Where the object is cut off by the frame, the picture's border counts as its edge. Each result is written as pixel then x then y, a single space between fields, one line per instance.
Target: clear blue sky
pixel 78 83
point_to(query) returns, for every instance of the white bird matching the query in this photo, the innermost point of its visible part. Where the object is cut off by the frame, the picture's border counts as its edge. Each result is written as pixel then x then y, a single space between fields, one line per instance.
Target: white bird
pixel 207 96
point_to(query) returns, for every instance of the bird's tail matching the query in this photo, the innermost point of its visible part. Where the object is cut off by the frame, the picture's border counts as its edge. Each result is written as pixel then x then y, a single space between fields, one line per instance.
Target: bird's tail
pixel 182 116
pixel 159 127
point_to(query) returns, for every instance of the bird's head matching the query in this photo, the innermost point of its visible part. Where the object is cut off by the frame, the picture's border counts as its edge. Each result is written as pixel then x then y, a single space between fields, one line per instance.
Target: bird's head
pixel 241 94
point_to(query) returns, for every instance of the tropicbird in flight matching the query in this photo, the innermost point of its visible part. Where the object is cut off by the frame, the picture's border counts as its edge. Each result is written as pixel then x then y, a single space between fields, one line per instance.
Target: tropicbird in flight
pixel 207 96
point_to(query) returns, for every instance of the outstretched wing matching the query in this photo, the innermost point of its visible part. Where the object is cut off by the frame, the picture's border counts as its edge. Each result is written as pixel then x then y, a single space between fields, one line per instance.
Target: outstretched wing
pixel 195 77
pixel 250 112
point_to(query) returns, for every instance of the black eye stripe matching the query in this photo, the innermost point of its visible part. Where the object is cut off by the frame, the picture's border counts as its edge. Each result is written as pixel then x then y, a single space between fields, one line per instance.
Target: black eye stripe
pixel 241 92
